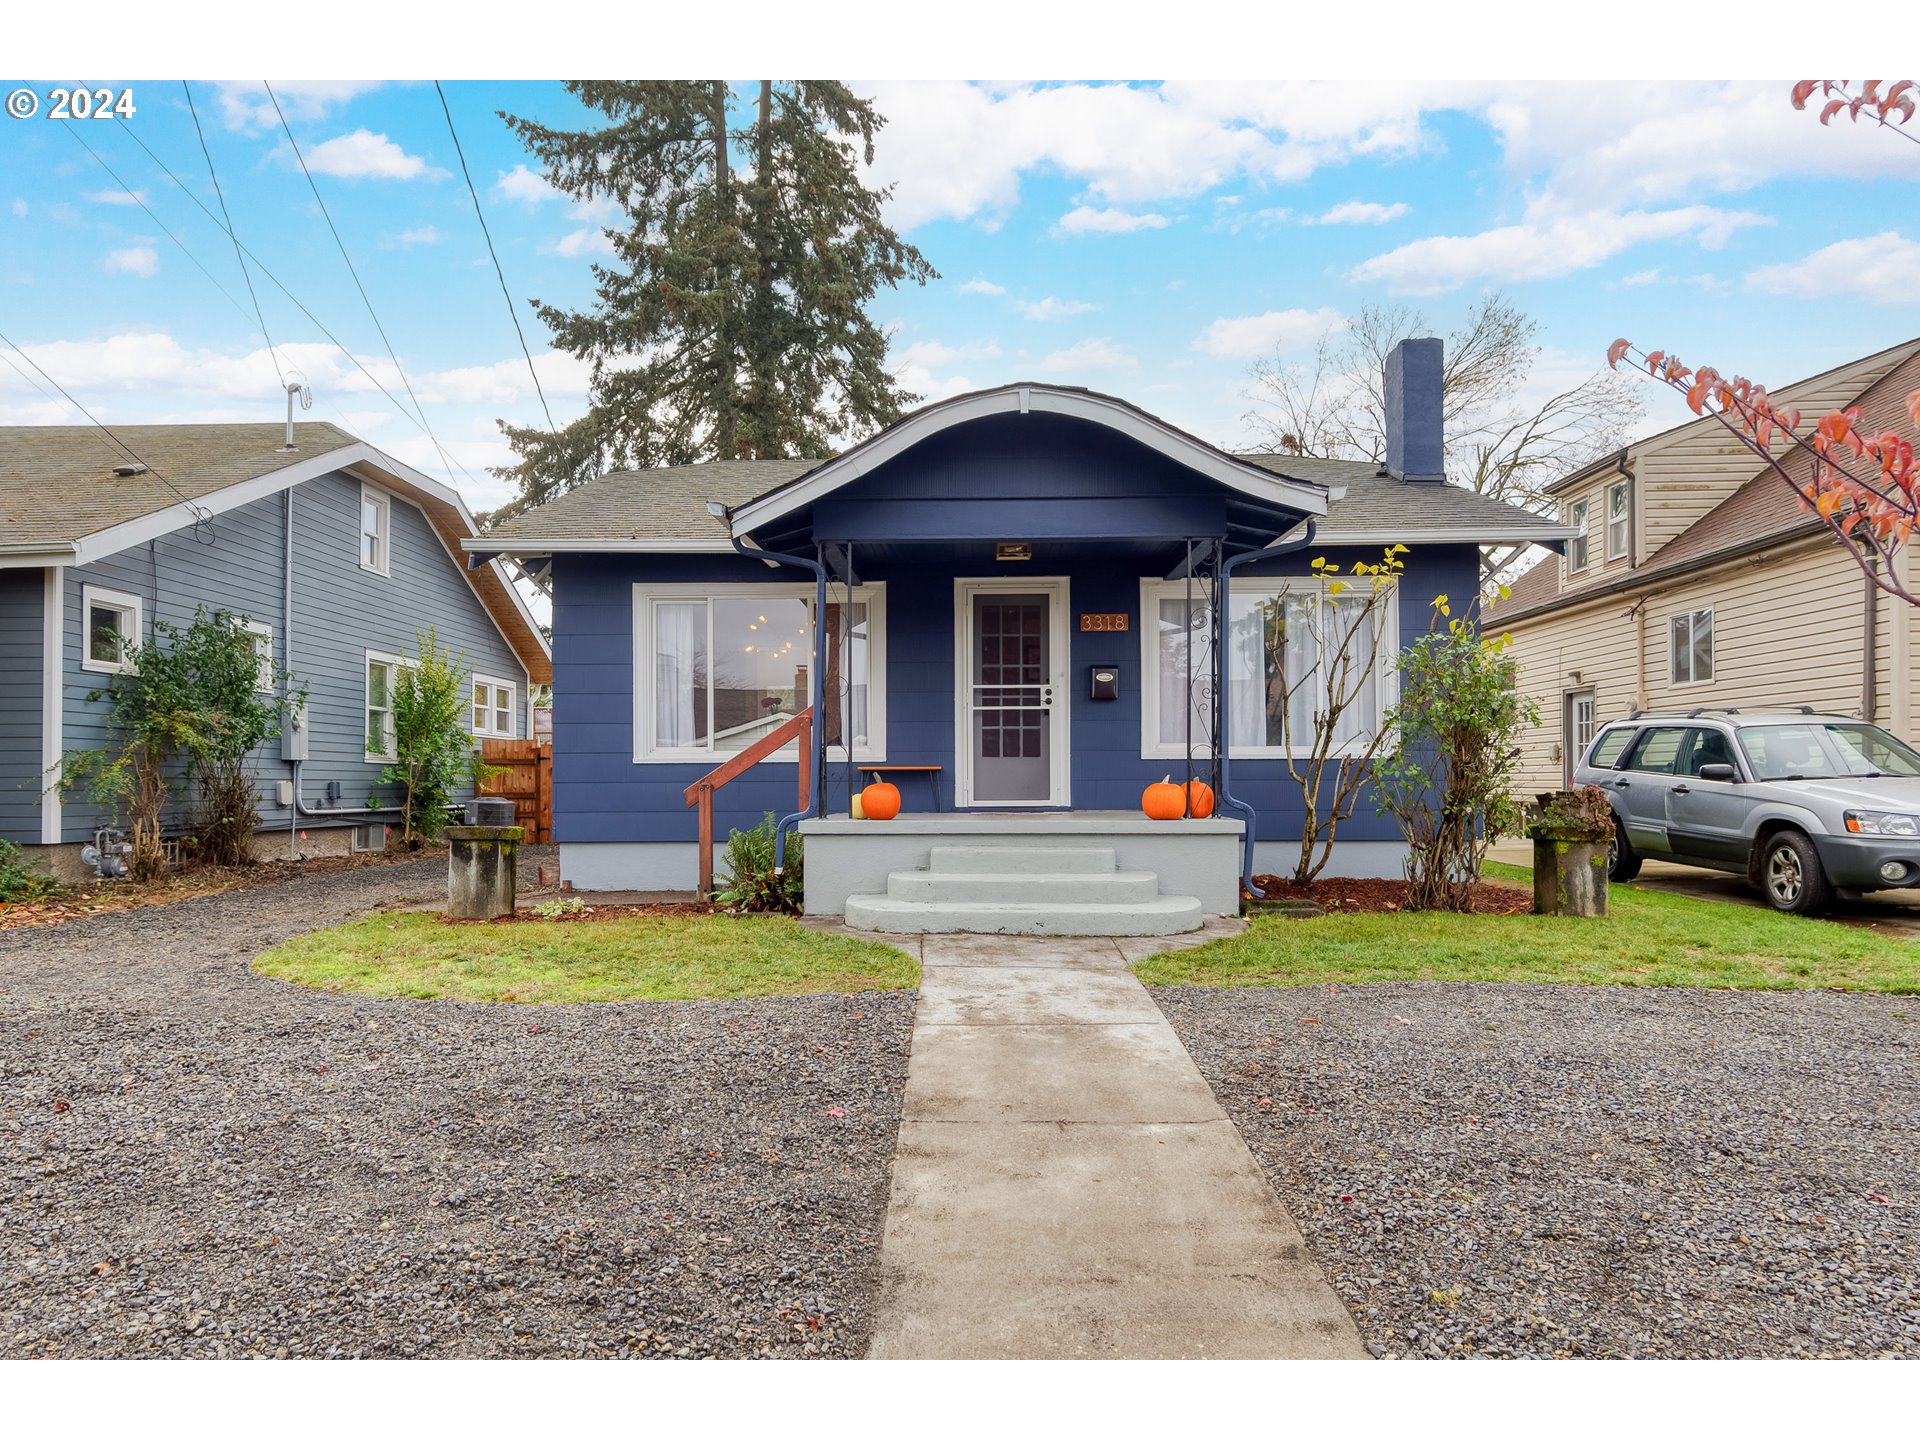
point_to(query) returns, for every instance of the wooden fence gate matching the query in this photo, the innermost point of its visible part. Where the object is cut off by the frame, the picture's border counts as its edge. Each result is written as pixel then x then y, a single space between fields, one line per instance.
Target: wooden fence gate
pixel 526 778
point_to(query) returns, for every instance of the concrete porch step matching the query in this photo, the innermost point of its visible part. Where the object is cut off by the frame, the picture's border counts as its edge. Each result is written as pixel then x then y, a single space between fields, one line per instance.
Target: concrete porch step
pixel 1111 887
pixel 1022 859
pixel 1162 915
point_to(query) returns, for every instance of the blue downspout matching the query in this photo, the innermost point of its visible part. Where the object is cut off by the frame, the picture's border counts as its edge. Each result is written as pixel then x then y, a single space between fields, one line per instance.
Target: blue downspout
pixel 1223 620
pixel 816 682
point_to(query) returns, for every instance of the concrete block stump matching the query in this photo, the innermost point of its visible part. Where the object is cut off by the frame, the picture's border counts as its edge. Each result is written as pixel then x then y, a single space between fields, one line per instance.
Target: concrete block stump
pixel 1569 877
pixel 481 865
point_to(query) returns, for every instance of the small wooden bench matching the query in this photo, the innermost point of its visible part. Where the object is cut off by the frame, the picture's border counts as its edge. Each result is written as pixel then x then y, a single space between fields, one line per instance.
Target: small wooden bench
pixel 932 772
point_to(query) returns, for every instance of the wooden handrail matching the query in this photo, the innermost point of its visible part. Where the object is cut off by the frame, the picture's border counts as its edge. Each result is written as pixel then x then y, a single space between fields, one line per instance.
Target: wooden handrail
pixel 700 792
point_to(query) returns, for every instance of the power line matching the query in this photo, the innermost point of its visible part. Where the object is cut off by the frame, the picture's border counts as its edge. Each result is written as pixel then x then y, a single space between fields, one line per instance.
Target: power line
pixel 233 235
pixel 202 517
pixel 365 299
pixel 373 379
pixel 512 313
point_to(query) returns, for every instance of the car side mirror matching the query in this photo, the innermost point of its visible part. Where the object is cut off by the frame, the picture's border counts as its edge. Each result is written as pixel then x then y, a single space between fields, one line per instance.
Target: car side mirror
pixel 1719 772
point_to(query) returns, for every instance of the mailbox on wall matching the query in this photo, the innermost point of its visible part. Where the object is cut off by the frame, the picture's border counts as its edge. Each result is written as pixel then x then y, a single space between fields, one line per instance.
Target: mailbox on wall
pixel 1105 682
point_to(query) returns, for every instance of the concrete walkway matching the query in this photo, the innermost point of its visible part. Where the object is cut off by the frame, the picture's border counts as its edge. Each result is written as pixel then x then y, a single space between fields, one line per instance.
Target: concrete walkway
pixel 1066 1185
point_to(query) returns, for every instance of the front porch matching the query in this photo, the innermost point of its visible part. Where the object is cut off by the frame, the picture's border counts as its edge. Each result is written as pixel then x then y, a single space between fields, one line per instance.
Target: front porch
pixel 1066 872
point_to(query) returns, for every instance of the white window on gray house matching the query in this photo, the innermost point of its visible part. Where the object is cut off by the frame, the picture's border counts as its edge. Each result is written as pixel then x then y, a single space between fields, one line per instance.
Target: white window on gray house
pixel 1617 520
pixel 1577 545
pixel 383 674
pixel 1690 647
pixel 260 635
pixel 493 708
pixel 110 628
pixel 376 527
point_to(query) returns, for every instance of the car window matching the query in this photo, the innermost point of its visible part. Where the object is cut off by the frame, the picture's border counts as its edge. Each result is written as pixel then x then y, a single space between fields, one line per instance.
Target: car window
pixel 1659 750
pixel 1610 746
pixel 1865 748
pixel 1708 747
pixel 1777 751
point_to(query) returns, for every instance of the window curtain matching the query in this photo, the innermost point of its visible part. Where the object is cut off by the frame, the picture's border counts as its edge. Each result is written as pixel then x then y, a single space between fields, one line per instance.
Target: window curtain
pixel 1183 631
pixel 677 641
pixel 1353 682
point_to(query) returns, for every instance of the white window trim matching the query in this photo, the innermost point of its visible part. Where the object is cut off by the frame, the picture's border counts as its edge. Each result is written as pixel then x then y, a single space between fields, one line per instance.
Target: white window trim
pixel 399 662
pixel 373 494
pixel 1152 592
pixel 263 664
pixel 91 595
pixel 1584 525
pixel 1673 656
pixel 645 597
pixel 1625 521
pixel 512 687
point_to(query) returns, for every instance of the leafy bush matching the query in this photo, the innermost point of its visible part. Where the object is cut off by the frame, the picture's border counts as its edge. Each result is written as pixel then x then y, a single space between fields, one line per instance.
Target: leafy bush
pixel 1448 781
pixel 1578 816
pixel 751 883
pixel 22 879
pixel 435 755
pixel 188 711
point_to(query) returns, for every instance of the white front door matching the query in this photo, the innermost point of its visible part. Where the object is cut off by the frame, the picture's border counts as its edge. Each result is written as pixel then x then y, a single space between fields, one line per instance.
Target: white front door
pixel 1011 711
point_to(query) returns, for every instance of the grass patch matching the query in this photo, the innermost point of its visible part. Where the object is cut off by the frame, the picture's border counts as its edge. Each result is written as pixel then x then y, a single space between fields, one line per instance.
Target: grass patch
pixel 1646 938
pixel 671 957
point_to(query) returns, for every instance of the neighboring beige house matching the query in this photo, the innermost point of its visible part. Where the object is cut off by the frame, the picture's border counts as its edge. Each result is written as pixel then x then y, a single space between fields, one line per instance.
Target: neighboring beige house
pixel 1698 578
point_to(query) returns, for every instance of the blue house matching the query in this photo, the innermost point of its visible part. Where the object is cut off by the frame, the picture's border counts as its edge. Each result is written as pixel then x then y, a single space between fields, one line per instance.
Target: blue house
pixel 1037 600
pixel 330 552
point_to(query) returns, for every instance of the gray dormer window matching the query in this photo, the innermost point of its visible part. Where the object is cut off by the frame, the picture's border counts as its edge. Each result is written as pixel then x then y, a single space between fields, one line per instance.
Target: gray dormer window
pixel 376 530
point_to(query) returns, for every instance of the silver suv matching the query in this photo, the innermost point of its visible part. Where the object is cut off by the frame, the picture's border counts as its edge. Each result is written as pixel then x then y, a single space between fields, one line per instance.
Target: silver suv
pixel 1804 804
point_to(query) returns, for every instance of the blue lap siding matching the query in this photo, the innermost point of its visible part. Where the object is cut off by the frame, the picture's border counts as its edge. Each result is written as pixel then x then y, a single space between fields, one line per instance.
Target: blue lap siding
pixel 602 795
pixel 20 631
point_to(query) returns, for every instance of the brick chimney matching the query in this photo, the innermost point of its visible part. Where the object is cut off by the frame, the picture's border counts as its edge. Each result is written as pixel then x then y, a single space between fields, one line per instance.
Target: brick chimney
pixel 1416 428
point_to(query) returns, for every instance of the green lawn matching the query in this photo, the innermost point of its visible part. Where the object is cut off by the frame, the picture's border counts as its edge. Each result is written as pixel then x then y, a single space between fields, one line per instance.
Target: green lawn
pixel 1647 938
pixel 680 957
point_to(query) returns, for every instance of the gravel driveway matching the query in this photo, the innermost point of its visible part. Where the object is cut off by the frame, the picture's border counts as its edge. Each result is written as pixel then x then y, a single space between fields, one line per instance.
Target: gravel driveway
pixel 1548 1170
pixel 195 1160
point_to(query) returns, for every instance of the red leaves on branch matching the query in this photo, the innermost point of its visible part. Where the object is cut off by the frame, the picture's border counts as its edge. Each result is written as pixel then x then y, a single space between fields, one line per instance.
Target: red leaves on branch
pixel 1863 486
pixel 1895 107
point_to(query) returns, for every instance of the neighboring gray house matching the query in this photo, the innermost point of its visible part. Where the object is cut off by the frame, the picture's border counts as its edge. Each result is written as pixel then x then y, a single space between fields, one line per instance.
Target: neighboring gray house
pixel 335 554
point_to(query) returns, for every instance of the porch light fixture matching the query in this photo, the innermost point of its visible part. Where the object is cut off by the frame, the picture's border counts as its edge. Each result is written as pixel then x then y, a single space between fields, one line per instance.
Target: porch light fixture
pixel 1013 550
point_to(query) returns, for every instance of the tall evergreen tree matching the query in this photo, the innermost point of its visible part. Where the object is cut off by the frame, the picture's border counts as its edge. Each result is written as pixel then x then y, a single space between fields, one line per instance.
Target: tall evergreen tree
pixel 732 322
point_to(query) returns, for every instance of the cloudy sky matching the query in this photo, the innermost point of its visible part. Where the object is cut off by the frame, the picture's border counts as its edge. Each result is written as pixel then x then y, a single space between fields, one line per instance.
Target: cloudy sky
pixel 1148 240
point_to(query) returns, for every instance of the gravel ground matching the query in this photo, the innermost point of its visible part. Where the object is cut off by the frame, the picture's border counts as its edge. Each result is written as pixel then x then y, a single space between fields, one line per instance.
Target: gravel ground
pixel 1530 1170
pixel 195 1160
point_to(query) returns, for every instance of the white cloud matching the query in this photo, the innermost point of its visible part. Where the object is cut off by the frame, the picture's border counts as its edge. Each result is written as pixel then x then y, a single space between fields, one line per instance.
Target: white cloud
pixel 1543 248
pixel 1101 354
pixel 1052 309
pixel 19 209
pixel 588 240
pixel 424 235
pixel 117 197
pixel 244 104
pixel 135 260
pixel 364 155
pixel 1883 268
pixel 1361 212
pixel 936 354
pixel 1641 277
pixel 1088 221
pixel 529 187
pixel 1244 336
pixel 977 286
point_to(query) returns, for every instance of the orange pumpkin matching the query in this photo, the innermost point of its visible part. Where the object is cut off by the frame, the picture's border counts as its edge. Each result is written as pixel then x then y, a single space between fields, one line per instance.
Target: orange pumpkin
pixel 880 800
pixel 1199 799
pixel 1164 800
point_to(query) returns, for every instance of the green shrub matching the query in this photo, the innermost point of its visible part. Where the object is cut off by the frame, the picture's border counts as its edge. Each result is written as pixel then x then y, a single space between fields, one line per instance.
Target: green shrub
pixel 751 883
pixel 22 879
pixel 435 754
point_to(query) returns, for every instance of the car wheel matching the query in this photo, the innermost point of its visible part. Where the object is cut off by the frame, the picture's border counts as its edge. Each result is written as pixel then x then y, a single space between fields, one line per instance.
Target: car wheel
pixel 1622 862
pixel 1791 877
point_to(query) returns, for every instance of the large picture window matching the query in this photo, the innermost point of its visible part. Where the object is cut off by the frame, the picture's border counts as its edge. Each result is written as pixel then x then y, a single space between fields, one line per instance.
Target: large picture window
pixel 1296 649
pixel 718 667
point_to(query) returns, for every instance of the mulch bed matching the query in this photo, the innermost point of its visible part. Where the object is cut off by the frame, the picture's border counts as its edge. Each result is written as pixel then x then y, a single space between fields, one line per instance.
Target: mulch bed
pixel 1383 896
